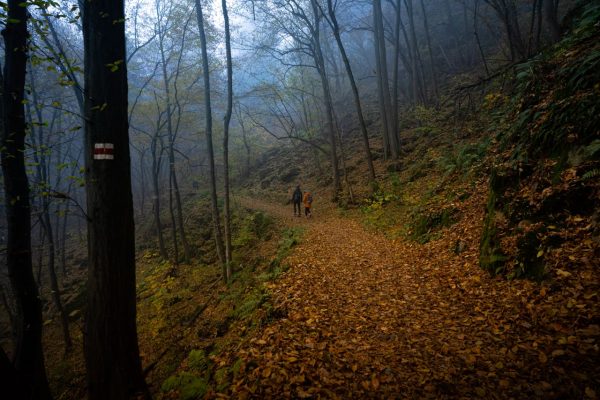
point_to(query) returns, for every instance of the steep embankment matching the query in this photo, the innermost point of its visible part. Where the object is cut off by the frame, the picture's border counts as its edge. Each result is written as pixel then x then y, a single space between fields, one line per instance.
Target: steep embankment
pixel 542 210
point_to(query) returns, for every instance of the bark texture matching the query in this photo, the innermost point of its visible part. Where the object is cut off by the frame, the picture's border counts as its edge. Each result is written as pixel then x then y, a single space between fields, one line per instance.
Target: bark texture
pixel 28 358
pixel 110 340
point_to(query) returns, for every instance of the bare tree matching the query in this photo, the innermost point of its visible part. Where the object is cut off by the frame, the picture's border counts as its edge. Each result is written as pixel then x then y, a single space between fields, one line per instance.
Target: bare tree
pixel 551 17
pixel 390 135
pixel 209 144
pixel 357 103
pixel 176 220
pixel 42 169
pixel 506 10
pixel 226 121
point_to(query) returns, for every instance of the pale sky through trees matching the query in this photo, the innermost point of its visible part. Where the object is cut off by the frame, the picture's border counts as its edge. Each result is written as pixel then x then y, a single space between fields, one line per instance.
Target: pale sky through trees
pixel 241 25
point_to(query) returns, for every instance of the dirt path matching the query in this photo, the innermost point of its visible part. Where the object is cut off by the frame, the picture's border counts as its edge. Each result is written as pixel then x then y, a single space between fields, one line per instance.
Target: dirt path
pixel 364 316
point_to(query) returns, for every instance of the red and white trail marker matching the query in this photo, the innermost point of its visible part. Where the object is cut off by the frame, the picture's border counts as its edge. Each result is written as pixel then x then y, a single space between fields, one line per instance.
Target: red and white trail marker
pixel 104 151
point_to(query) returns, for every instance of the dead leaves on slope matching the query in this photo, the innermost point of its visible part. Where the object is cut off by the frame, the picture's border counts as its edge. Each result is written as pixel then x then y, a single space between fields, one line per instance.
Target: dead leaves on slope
pixel 368 317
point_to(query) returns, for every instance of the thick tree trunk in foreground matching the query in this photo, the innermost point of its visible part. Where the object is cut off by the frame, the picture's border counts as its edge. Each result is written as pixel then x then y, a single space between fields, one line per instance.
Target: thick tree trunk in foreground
pixel 113 364
pixel 28 360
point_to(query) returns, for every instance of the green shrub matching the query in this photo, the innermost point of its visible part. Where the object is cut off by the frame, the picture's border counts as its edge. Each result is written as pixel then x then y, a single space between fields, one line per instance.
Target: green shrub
pixel 188 385
pixel 198 361
pixel 253 228
pixel 222 379
pixel 250 304
pixel 290 238
pixel 462 158
pixel 424 224
pixel 556 106
pixel 236 367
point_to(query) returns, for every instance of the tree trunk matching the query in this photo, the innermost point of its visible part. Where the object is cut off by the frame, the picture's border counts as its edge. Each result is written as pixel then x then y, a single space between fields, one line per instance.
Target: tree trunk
pixel 28 355
pixel 186 247
pixel 209 145
pixel 63 241
pixel 143 186
pixel 419 86
pixel 395 73
pixel 9 375
pixel 43 177
pixel 113 365
pixel 246 171
pixel 513 17
pixel 320 64
pixel 476 33
pixel 226 121
pixel 538 33
pixel 507 13
pixel 176 222
pixel 40 260
pixel 47 226
pixel 361 120
pixel 383 111
pixel 430 51
pixel 156 196
pixel 173 222
pixel 551 18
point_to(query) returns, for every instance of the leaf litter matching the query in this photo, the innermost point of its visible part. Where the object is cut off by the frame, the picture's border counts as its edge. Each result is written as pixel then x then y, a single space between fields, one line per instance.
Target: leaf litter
pixel 365 316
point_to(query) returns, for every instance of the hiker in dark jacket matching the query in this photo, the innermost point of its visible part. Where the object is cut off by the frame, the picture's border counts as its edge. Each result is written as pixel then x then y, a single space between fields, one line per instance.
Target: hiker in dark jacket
pixel 297 200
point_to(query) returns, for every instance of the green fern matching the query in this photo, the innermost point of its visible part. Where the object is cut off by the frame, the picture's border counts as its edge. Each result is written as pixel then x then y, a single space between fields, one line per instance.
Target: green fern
pixel 594 173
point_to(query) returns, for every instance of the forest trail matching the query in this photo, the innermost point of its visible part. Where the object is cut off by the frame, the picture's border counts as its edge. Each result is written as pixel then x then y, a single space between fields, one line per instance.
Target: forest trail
pixel 362 315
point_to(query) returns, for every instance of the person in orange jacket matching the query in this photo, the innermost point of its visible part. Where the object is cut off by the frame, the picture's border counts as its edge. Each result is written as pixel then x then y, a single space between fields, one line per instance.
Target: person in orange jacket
pixel 307 200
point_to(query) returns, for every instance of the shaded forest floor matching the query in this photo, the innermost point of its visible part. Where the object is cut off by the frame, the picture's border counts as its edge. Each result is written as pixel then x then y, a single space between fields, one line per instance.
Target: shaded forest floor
pixel 347 305
pixel 385 298
pixel 360 315
pixel 362 303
